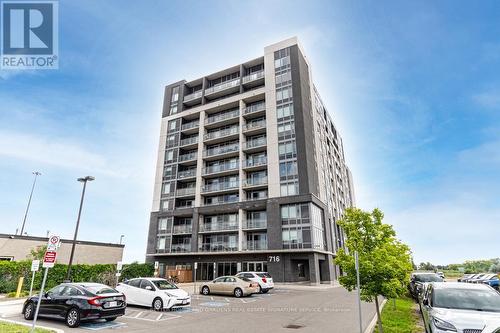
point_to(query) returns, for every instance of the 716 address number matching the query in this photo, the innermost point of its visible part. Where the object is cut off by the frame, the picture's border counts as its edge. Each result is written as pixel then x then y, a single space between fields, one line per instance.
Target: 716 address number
pixel 274 258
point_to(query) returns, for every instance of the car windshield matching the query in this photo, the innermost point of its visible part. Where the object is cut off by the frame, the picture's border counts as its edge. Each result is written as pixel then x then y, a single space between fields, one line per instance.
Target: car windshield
pixel 467 299
pixel 245 279
pixel 164 285
pixel 264 275
pixel 101 289
pixel 428 278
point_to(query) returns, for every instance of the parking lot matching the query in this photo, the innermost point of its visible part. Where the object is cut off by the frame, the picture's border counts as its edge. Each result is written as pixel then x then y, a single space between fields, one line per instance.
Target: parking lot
pixel 306 309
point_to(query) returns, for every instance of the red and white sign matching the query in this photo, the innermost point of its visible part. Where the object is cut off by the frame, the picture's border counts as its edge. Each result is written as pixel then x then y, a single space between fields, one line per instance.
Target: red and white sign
pixel 49 259
pixel 53 243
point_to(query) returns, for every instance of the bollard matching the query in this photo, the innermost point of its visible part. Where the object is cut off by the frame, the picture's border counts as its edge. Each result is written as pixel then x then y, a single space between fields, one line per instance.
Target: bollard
pixel 19 286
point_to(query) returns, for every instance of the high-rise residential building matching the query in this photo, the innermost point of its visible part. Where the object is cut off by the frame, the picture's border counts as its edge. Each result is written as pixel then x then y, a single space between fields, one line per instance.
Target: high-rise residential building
pixel 251 174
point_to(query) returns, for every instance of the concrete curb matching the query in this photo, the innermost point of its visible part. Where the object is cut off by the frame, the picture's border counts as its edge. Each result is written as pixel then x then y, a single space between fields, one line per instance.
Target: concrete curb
pixel 373 323
pixel 57 330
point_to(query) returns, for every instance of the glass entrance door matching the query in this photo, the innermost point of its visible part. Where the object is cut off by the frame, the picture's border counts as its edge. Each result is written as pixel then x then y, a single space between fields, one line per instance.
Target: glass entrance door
pixel 207 271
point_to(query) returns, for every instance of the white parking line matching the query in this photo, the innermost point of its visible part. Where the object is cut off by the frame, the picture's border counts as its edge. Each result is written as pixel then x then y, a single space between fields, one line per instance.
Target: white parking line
pixel 159 316
pixel 137 315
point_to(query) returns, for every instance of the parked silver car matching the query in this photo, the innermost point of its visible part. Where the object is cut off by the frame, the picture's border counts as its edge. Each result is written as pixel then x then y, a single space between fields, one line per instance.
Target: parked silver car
pixel 459 307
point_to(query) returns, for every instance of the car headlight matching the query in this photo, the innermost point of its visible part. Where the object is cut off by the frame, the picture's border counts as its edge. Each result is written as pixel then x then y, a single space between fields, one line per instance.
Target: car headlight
pixel 169 295
pixel 443 325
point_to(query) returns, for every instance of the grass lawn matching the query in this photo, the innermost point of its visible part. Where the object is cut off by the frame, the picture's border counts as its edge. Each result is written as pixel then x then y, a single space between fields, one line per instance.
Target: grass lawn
pixel 6 327
pixel 403 319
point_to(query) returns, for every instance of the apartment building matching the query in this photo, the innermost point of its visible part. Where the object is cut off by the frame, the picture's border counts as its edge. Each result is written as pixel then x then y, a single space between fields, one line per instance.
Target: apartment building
pixel 251 173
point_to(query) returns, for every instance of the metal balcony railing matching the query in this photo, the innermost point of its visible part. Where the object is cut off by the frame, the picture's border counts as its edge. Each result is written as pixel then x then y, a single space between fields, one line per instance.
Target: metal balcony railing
pixel 186 173
pixel 218 226
pixel 255 181
pixel 255 224
pixel 255 143
pixel 189 141
pixel 190 125
pixel 253 76
pixel 188 157
pixel 185 191
pixel 253 162
pixel 182 229
pixel 195 95
pixel 256 245
pixel 221 150
pixel 222 116
pixel 181 248
pixel 220 186
pixel 222 133
pixel 183 205
pixel 220 167
pixel 254 125
pixel 255 107
pixel 222 86
pixel 217 247
pixel 221 200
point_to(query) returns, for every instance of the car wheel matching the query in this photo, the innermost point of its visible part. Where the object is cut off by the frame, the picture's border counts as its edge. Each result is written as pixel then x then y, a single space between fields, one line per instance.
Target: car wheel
pixel 73 318
pixel 238 292
pixel 110 319
pixel 260 290
pixel 205 290
pixel 265 291
pixel 29 311
pixel 157 304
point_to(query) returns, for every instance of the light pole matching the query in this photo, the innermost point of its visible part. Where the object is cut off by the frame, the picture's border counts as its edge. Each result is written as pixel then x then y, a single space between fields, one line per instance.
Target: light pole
pixel 121 238
pixel 36 173
pixel 84 180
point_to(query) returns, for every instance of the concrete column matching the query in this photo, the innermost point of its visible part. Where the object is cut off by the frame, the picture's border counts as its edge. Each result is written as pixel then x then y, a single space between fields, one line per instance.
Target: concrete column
pixel 314 276
pixel 199 165
pixel 241 242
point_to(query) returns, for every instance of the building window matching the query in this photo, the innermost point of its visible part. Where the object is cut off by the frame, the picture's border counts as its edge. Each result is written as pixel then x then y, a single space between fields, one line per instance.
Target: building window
pixel 288 170
pixel 169 156
pixel 175 94
pixel 287 150
pixel 289 188
pixel 284 111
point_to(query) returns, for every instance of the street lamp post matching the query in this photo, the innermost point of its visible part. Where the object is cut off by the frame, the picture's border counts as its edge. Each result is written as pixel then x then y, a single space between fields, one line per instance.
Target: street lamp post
pixel 84 180
pixel 121 239
pixel 36 173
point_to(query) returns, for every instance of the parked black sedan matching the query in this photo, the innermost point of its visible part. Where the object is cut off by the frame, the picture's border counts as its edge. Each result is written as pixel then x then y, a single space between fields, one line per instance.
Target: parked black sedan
pixel 76 302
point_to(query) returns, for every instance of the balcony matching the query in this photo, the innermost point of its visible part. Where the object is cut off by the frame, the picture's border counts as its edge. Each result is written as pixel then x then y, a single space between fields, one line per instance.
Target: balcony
pixel 255 182
pixel 186 174
pixel 193 98
pixel 255 145
pixel 255 163
pixel 189 142
pixel 255 224
pixel 256 245
pixel 256 109
pixel 219 200
pixel 222 135
pixel 221 168
pixel 254 79
pixel 180 248
pixel 219 187
pixel 190 157
pixel 191 127
pixel 223 88
pixel 232 150
pixel 255 127
pixel 184 205
pixel 225 226
pixel 217 247
pixel 182 192
pixel 222 118
pixel 182 229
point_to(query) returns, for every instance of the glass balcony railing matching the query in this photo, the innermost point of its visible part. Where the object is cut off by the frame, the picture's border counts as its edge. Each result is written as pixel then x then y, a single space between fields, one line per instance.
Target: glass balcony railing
pixel 220 186
pixel 255 143
pixel 186 191
pixel 253 76
pixel 222 133
pixel 182 229
pixel 254 125
pixel 255 224
pixel 222 116
pixel 186 173
pixel 255 181
pixel 218 226
pixel 222 86
pixel 253 162
pixel 189 141
pixel 188 157
pixel 221 200
pixel 220 168
pixel 182 205
pixel 190 125
pixel 217 247
pixel 221 150
pixel 255 107
pixel 181 248
pixel 256 245
pixel 195 95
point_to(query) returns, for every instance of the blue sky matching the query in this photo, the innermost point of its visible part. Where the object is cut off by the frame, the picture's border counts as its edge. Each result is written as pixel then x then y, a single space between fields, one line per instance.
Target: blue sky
pixel 414 89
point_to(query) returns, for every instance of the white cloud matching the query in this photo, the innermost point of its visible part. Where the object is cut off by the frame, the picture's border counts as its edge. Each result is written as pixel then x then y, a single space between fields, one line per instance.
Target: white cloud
pixel 489 99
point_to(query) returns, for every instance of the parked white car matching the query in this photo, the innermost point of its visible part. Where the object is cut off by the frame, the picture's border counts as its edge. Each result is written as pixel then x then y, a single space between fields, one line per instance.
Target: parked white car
pixel 459 307
pixel 154 292
pixel 264 279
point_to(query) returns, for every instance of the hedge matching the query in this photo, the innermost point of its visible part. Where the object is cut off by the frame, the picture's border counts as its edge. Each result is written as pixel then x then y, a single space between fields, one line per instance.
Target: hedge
pixel 11 271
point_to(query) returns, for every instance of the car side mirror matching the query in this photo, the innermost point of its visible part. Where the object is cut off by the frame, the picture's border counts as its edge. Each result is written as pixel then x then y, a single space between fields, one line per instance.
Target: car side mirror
pixel 149 288
pixel 425 301
pixel 46 295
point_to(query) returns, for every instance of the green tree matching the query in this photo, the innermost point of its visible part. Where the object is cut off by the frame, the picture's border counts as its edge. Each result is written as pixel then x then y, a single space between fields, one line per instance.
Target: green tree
pixel 384 262
pixel 37 252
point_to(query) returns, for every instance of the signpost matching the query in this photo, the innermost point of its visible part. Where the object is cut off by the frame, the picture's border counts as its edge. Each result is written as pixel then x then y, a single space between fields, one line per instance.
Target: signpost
pixel 157 266
pixel 35 266
pixel 358 287
pixel 119 266
pixel 49 260
pixel 195 267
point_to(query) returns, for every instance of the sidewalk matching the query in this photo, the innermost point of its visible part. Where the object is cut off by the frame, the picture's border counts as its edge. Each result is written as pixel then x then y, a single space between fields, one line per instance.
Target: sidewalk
pixel 190 286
